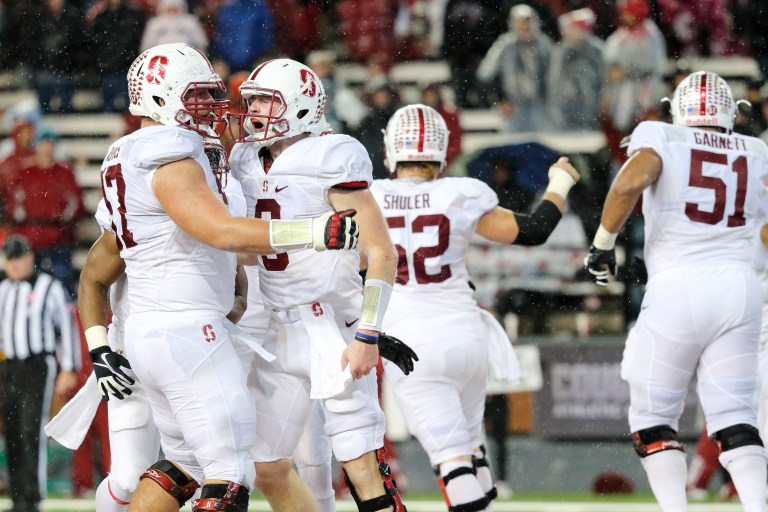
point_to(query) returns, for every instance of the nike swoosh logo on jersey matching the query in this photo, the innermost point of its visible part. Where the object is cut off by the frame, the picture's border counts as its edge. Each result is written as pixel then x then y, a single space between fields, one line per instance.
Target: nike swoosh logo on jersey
pixel 280 189
pixel 350 324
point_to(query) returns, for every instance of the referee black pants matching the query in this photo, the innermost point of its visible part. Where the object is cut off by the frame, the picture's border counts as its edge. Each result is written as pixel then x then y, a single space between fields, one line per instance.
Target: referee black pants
pixel 27 385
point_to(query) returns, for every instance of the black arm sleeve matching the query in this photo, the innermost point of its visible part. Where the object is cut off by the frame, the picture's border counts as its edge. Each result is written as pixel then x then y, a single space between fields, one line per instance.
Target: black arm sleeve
pixel 536 227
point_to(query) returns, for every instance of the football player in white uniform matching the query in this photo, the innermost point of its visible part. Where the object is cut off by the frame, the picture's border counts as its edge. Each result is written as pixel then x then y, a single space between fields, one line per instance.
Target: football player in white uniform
pixel 327 329
pixel 701 312
pixel 431 222
pixel 134 438
pixel 178 241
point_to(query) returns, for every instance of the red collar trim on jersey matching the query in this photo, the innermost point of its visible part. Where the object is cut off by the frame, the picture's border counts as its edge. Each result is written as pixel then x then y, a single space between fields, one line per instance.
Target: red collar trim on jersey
pixel 352 185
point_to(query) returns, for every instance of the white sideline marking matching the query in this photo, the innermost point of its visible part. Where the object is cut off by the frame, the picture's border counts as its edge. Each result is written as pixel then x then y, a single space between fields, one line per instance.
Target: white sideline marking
pixel 87 505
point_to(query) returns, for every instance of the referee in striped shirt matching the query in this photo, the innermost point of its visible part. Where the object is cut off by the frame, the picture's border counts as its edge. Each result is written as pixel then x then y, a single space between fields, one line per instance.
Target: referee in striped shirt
pixel 36 326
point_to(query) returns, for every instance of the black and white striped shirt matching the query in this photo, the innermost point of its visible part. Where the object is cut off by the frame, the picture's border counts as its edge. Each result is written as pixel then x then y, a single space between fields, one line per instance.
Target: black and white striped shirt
pixel 36 318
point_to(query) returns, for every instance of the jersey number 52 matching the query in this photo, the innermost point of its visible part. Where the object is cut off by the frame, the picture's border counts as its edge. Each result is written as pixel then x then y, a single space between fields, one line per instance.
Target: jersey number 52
pixel 443 225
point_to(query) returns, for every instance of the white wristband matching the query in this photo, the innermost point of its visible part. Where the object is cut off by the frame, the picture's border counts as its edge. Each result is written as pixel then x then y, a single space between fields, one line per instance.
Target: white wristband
pixel 376 294
pixel 287 235
pixel 604 239
pixel 560 181
pixel 96 337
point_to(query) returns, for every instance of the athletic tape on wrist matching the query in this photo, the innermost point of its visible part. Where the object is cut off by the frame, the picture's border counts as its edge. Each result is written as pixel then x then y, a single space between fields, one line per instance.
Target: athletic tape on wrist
pixel 287 235
pixel 96 337
pixel 376 294
pixel 560 181
pixel 604 239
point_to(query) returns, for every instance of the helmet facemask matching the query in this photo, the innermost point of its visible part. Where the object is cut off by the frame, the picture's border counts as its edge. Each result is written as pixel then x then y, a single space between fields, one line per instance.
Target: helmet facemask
pixel 203 113
pixel 217 158
pixel 263 127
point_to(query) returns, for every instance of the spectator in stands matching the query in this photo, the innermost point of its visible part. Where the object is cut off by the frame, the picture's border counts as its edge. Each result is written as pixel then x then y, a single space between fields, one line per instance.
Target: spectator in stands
pixel 382 99
pixel 16 39
pixel 752 17
pixel 366 28
pixel 512 194
pixel 635 60
pixel 58 35
pixel 297 26
pixel 749 118
pixel 115 54
pixel 18 146
pixel 244 33
pixel 174 24
pixel 694 28
pixel 520 58
pixel 576 73
pixel 470 27
pixel 432 96
pixel 43 203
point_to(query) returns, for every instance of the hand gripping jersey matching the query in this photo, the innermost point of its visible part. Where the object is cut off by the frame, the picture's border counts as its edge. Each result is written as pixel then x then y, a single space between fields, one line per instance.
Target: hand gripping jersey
pixel 296 186
pixel 168 270
pixel 701 209
pixel 431 224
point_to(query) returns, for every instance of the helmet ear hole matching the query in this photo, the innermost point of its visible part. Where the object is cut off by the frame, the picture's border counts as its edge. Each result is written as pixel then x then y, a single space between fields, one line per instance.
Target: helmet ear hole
pixel 302 113
pixel 159 101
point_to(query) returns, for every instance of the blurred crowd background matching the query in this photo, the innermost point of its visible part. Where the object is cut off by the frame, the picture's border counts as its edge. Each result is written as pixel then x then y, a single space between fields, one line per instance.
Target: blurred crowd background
pixel 518 83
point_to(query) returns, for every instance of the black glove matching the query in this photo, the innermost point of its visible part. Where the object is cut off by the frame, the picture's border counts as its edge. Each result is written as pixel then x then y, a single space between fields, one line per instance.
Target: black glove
pixel 600 264
pixel 398 352
pixel 110 378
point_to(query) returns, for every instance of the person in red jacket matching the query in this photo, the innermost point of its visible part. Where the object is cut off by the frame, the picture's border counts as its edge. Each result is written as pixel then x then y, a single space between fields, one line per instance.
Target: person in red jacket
pixel 43 202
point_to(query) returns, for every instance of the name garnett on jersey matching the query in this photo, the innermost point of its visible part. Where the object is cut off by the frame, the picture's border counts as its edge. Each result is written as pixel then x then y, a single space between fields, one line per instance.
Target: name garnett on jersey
pixel 393 202
pixel 719 141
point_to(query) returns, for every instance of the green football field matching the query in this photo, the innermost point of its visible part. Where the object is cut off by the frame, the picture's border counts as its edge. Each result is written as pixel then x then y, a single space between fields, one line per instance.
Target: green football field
pixel 523 502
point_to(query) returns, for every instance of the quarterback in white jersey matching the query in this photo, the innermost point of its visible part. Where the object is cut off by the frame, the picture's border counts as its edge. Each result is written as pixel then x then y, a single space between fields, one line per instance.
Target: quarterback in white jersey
pixel 178 241
pixel 431 222
pixel 701 312
pixel 327 330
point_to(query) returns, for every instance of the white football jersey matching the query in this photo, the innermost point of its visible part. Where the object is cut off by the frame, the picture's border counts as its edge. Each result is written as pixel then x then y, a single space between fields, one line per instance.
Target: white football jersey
pixel 296 186
pixel 701 209
pixel 431 224
pixel 168 270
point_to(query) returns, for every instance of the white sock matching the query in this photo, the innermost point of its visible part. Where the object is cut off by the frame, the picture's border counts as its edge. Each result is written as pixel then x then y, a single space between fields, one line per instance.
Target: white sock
pixel 464 488
pixel 667 474
pixel 747 466
pixel 110 497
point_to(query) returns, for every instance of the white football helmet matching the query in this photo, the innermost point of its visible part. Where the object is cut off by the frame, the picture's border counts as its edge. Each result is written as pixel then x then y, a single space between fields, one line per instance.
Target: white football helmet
pixel 300 94
pixel 415 133
pixel 174 84
pixel 703 99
